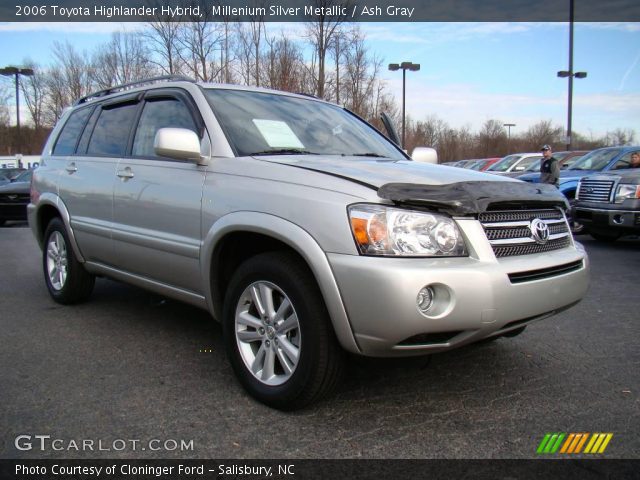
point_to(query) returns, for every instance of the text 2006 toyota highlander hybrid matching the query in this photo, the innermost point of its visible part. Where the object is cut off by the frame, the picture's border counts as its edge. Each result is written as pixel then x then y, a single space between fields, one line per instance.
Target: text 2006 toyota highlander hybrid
pixel 298 226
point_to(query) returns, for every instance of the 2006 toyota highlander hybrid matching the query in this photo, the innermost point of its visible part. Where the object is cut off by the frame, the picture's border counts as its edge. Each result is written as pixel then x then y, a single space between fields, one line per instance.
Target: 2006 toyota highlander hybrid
pixel 300 227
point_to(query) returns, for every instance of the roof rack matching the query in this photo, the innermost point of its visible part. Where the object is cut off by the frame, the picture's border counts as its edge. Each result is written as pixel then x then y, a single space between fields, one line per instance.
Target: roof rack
pixel 126 86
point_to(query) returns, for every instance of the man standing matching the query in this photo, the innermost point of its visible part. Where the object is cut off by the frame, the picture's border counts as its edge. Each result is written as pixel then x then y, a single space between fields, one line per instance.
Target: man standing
pixel 549 168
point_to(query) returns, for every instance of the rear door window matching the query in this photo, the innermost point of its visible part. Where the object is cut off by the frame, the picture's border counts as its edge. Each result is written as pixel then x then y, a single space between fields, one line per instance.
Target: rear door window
pixel 68 139
pixel 111 133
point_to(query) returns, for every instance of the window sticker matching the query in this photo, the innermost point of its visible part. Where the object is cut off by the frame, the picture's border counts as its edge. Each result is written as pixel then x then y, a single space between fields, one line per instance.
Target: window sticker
pixel 277 134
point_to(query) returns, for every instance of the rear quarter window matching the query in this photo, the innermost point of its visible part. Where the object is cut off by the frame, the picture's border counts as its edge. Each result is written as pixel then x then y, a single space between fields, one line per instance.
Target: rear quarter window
pixel 68 138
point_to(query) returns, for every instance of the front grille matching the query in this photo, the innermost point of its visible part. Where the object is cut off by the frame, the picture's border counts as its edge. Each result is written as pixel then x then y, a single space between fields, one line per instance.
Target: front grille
pixel 542 273
pixel 18 198
pixel 430 338
pixel 509 232
pixel 595 190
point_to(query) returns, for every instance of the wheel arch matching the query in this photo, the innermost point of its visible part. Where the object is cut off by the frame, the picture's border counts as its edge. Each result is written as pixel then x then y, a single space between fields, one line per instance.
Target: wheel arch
pixel 238 236
pixel 49 207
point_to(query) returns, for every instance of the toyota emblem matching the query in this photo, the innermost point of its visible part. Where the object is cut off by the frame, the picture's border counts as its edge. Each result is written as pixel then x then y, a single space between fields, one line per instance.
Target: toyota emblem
pixel 539 231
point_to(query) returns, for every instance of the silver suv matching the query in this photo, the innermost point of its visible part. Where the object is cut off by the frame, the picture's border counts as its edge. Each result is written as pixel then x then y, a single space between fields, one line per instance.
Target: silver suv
pixel 297 225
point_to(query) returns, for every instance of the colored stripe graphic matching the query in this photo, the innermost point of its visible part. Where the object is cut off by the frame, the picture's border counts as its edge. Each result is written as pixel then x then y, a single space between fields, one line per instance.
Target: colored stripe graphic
pixel 605 443
pixel 582 441
pixel 567 443
pixel 550 443
pixel 598 443
pixel 543 443
pixel 572 443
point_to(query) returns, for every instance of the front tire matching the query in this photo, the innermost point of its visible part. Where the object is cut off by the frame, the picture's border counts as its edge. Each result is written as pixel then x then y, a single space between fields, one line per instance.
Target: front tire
pixel 278 334
pixel 67 280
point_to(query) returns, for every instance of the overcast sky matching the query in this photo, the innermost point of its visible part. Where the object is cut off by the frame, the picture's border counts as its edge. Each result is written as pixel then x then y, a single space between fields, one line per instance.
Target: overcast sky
pixel 469 73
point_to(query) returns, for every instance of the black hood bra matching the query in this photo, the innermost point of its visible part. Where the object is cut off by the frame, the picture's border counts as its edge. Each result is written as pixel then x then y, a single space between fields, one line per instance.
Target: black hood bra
pixel 470 198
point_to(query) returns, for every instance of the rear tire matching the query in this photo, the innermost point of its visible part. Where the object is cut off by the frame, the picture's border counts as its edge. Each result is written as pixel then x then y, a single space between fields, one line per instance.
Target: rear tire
pixel 67 280
pixel 278 334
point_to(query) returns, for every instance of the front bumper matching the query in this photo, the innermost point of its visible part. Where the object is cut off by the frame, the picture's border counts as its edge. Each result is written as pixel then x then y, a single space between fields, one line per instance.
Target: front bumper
pixel 623 217
pixel 475 297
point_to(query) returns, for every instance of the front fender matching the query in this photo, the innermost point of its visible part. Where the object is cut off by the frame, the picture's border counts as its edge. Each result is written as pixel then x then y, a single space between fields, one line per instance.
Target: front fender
pixel 298 239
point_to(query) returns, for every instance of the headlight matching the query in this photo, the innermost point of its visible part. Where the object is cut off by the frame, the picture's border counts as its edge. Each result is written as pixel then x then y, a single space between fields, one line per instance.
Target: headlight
pixel 625 191
pixel 381 230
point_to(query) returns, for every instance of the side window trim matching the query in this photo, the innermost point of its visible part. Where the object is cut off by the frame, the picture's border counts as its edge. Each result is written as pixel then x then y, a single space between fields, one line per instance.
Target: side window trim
pixel 90 125
pixel 55 145
pixel 176 94
pixel 133 99
pixel 182 96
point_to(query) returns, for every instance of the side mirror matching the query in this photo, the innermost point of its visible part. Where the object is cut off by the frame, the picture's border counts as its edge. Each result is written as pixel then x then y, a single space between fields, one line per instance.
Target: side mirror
pixel 178 143
pixel 425 155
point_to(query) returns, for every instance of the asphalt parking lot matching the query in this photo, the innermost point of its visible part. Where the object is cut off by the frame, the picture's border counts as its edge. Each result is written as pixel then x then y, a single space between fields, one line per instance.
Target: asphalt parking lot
pixel 131 365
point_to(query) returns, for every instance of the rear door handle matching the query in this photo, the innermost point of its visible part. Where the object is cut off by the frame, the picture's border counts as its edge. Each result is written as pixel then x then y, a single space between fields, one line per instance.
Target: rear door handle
pixel 71 168
pixel 125 174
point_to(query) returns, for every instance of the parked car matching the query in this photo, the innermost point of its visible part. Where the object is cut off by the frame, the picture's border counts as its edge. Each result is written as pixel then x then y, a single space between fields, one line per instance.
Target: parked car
pixel 298 226
pixel 482 165
pixel 564 160
pixel 568 158
pixel 608 204
pixel 516 162
pixel 14 198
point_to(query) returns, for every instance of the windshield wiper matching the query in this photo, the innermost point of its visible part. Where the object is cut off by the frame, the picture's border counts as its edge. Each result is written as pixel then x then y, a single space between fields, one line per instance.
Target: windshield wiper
pixel 284 151
pixel 367 154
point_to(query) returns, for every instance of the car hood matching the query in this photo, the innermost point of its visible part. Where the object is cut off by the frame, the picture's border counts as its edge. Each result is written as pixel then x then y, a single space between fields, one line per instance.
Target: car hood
pixel 377 172
pixel 15 187
pixel 447 189
pixel 625 176
pixel 565 175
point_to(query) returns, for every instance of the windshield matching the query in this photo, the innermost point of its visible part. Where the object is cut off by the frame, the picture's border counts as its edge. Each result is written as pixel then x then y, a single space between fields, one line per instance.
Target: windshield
pixel 596 160
pixel 504 164
pixel 262 123
pixel 572 161
pixel 534 165
pixel 528 163
pixel 24 177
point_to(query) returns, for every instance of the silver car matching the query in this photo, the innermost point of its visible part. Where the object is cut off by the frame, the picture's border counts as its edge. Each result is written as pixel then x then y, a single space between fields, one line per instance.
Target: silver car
pixel 298 226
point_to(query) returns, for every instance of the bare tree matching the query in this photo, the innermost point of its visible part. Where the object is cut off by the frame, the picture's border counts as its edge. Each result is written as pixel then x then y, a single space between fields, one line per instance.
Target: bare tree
pixel 162 39
pixel 34 90
pixel 75 68
pixel 321 34
pixel 200 39
pixel 542 133
pixel 361 76
pixel 122 59
pixel 5 95
pixel 492 139
pixel 283 63
pixel 620 137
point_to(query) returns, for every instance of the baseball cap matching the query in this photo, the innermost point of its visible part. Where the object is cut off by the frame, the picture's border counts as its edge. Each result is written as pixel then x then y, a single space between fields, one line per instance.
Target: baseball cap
pixel 545 147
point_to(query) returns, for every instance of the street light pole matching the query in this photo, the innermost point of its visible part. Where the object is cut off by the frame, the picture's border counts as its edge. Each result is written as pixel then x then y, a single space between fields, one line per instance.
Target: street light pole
pixel 16 72
pixel 569 74
pixel 414 67
pixel 509 125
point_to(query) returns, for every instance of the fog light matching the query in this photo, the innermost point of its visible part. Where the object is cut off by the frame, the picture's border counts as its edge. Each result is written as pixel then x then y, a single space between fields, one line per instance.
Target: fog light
pixel 425 299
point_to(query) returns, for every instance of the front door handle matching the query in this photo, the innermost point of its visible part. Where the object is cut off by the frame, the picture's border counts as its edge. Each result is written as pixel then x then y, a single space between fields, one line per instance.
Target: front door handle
pixel 71 168
pixel 125 174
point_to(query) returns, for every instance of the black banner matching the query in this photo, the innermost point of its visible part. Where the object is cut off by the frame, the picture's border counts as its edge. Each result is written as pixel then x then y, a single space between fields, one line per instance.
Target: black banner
pixel 315 10
pixel 584 469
